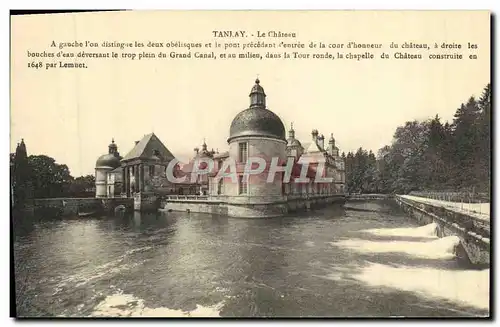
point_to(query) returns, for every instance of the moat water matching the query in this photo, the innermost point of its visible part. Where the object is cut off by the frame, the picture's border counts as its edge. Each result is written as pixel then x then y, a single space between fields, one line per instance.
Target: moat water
pixel 366 260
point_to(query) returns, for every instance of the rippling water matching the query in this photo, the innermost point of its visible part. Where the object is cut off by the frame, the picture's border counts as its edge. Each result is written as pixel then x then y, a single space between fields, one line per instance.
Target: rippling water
pixel 373 261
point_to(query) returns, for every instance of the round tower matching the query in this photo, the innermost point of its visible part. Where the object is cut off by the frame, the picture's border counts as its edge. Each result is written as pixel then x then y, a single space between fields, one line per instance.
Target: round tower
pixel 256 132
pixel 104 164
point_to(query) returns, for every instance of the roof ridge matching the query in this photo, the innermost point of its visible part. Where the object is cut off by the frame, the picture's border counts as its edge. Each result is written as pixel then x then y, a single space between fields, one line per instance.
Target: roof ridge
pixel 139 149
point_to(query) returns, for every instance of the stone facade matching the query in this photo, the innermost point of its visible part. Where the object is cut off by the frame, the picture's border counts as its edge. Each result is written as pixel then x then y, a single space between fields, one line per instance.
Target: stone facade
pixel 255 132
pixel 258 189
pixel 105 167
pixel 250 210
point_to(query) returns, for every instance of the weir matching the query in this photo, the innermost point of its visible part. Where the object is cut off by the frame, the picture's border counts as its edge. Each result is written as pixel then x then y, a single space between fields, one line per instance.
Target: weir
pixel 473 232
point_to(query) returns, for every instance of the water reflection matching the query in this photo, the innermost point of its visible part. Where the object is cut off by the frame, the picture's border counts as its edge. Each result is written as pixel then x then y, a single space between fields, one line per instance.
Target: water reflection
pixel 185 264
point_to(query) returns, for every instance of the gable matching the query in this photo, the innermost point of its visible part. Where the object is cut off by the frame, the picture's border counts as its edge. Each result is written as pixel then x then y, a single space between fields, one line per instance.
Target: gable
pixel 146 147
pixel 313 147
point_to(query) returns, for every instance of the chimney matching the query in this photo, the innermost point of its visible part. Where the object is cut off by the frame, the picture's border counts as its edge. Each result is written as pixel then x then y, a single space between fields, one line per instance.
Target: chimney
pixel 314 134
pixel 196 150
pixel 321 142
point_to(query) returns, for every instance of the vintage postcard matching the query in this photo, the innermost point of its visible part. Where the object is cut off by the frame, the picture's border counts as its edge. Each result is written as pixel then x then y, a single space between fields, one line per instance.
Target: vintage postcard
pixel 251 164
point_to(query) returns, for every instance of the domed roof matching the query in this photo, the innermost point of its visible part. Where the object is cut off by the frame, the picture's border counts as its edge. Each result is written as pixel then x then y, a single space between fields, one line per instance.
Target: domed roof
pixel 108 160
pixel 257 121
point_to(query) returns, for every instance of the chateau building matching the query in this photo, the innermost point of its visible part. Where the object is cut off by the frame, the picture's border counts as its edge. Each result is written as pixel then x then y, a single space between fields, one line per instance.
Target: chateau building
pixel 195 184
pixel 255 133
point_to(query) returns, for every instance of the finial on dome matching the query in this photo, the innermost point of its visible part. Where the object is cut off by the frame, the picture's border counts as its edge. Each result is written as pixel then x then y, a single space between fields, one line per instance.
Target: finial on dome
pixel 113 140
pixel 257 95
pixel 291 125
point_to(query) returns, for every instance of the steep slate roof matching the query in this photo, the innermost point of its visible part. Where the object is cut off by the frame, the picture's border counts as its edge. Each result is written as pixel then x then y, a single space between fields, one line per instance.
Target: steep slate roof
pixel 313 147
pixel 145 149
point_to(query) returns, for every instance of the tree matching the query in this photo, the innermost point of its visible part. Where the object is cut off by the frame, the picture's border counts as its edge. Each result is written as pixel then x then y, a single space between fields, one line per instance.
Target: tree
pixel 49 178
pixel 434 171
pixel 484 147
pixel 408 148
pixel 20 176
pixel 82 186
pixel 466 138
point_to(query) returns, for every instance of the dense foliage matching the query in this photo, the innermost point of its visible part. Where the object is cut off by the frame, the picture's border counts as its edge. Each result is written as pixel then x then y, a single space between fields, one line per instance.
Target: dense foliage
pixel 430 155
pixel 40 176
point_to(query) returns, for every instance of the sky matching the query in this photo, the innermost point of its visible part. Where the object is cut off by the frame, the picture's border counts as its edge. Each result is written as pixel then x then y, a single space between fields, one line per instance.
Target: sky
pixel 72 114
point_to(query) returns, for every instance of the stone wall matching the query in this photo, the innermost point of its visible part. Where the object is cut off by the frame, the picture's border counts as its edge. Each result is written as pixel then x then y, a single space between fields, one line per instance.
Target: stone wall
pixel 146 201
pixel 109 205
pixel 245 209
pixel 474 233
pixel 56 207
pixel 197 206
pixel 65 206
pixel 262 148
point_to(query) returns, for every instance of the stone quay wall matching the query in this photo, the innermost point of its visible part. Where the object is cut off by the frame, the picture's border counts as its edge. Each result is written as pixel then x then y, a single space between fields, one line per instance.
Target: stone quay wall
pixel 257 209
pixel 474 233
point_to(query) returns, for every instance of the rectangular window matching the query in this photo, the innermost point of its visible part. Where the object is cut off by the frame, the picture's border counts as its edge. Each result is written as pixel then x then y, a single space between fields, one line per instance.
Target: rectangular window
pixel 151 171
pixel 243 152
pixel 243 186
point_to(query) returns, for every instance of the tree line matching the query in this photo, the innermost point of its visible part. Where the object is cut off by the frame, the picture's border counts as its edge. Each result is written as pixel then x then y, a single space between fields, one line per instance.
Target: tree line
pixel 40 176
pixel 429 155
pixel 423 156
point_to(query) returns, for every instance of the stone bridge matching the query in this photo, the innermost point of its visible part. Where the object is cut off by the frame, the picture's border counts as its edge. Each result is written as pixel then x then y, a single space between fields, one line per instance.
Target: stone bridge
pixel 60 207
pixel 368 197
